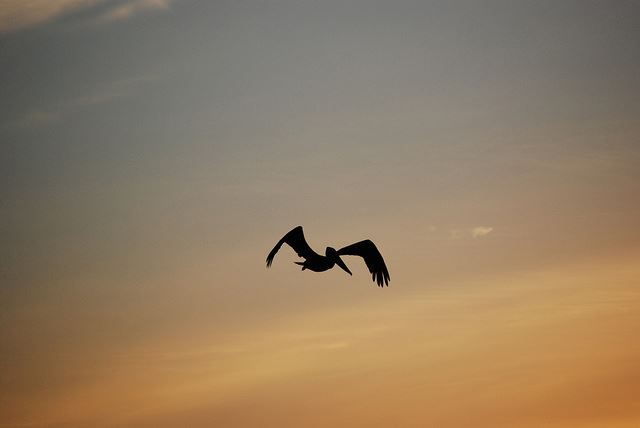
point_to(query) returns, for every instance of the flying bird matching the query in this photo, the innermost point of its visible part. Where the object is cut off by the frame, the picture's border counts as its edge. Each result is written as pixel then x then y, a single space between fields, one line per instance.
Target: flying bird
pixel 318 263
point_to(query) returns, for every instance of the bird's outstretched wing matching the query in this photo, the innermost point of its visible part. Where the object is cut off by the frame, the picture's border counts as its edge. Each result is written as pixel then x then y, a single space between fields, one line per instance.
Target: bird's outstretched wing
pixel 372 257
pixel 295 239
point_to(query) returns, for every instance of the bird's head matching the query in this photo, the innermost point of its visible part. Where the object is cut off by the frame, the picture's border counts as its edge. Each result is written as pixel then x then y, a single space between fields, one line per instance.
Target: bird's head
pixel 332 254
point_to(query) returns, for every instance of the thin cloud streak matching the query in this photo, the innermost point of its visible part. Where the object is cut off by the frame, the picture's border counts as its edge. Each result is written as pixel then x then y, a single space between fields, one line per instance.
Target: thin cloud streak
pixel 128 10
pixel 17 15
pixel 110 92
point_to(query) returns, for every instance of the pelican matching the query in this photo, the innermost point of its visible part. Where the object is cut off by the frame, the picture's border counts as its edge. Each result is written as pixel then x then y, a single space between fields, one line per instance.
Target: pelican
pixel 317 263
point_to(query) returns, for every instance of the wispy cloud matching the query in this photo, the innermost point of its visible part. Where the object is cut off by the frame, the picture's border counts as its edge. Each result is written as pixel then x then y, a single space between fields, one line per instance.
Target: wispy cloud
pixel 473 232
pixel 480 231
pixel 128 10
pixel 19 14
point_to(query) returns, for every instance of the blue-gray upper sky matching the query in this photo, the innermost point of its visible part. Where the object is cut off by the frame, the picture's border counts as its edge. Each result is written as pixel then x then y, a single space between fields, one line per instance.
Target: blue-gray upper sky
pixel 234 109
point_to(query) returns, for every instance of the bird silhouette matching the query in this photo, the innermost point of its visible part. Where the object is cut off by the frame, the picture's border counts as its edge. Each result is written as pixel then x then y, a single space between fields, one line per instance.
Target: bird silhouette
pixel 318 263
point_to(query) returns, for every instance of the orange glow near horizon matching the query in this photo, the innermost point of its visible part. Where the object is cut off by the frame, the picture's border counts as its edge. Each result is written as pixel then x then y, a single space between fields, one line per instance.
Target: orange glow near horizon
pixel 545 347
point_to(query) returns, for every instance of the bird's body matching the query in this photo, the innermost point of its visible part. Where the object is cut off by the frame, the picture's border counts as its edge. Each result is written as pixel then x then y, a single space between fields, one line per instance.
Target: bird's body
pixel 319 263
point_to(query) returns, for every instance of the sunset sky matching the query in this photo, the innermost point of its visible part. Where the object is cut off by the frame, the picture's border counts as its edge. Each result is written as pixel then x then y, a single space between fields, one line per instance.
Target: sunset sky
pixel 152 152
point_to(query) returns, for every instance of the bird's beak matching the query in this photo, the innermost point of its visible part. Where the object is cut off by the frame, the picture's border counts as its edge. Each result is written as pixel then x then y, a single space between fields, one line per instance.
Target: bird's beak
pixel 344 267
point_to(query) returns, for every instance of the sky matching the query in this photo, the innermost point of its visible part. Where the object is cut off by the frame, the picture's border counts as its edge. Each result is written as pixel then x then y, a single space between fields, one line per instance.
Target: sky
pixel 152 152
